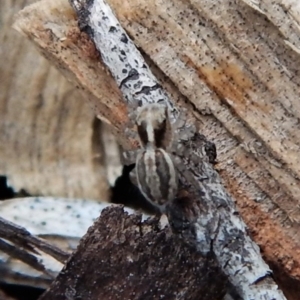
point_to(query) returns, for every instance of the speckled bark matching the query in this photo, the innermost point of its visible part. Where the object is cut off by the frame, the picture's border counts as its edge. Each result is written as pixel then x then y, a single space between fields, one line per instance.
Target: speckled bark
pixel 285 15
pixel 122 258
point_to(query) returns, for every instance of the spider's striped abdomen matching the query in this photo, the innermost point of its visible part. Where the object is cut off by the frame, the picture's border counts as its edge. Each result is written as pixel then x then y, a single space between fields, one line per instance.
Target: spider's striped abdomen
pixel 156 176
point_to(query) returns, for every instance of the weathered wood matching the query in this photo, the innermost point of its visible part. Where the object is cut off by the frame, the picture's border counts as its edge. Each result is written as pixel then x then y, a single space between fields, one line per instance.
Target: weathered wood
pixel 220 53
pixel 45 129
pixel 263 190
pixel 54 227
pixel 22 238
pixel 205 215
pixel 232 78
pixel 285 15
pixel 122 258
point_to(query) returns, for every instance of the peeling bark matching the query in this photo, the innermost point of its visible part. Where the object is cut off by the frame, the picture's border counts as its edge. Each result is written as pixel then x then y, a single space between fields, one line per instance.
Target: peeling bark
pixel 122 258
pixel 53 230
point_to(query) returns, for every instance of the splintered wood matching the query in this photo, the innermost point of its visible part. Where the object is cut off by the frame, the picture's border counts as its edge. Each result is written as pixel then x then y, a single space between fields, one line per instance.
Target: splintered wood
pixel 239 71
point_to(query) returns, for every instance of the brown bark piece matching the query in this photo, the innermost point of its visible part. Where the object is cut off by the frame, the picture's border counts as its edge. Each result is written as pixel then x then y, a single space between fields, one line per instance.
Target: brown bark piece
pixel 122 258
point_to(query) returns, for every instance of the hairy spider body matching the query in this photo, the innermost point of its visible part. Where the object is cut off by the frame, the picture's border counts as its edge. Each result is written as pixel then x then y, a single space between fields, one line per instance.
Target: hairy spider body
pixel 156 174
pixel 154 126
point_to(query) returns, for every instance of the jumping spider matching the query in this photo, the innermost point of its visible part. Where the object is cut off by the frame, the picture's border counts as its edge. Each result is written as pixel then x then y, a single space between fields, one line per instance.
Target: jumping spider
pixel 155 170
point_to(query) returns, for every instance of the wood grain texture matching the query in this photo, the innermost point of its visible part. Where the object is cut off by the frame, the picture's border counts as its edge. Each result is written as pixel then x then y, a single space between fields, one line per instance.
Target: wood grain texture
pixel 204 215
pixel 285 15
pixel 223 65
pixel 45 128
pixel 235 68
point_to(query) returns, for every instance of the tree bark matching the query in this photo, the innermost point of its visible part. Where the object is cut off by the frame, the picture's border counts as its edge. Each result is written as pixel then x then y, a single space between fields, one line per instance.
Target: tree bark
pixel 122 258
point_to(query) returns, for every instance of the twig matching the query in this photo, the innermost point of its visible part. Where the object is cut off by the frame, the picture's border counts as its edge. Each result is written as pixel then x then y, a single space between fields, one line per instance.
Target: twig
pixel 206 216
pixel 21 237
pixel 22 255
